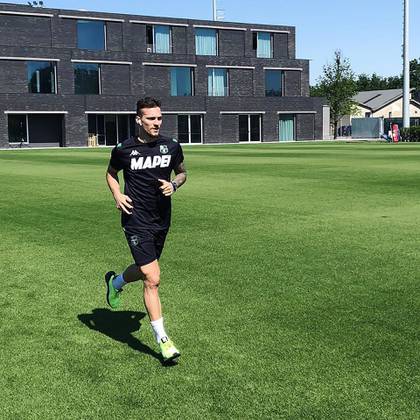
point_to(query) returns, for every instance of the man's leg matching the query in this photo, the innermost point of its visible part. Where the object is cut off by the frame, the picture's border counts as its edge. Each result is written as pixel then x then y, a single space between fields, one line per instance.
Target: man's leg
pixel 151 273
pixel 115 283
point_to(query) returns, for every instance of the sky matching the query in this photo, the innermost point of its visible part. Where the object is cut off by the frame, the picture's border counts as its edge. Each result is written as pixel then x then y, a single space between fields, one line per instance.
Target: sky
pixel 368 32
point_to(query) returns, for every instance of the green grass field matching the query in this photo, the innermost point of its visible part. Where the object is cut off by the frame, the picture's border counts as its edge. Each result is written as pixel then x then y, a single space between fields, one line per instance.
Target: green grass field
pixel 290 283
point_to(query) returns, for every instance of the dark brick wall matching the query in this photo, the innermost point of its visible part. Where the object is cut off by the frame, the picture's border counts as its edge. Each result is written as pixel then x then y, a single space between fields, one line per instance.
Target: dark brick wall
pixel 115 79
pixel 231 43
pixel 170 125
pixel 280 47
pixel 229 128
pixel 179 40
pixel 114 36
pixel 270 126
pixel 137 79
pixel 16 84
pixel 135 37
pixel 25 31
pixel 292 43
pixel 305 126
pixel 64 33
pixel 4 132
pixel 305 79
pixel 240 82
pixel 157 81
pixel 292 81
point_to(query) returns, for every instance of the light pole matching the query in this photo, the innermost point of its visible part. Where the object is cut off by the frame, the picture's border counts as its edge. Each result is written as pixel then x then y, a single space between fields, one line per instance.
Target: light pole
pixel 214 9
pixel 406 68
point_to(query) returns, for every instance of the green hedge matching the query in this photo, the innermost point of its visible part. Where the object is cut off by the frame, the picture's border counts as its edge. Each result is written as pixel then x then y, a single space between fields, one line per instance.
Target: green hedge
pixel 410 134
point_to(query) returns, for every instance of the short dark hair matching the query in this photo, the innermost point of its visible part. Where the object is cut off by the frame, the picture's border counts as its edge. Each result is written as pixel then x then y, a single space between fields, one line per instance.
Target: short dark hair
pixel 147 102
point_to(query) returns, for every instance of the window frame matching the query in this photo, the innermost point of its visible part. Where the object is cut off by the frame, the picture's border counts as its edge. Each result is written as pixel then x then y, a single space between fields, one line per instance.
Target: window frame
pixel 53 64
pixel 255 44
pixel 192 80
pixel 189 128
pixel 99 78
pixel 217 42
pixel 282 83
pixel 249 127
pixel 104 34
pixel 227 93
pixel 26 129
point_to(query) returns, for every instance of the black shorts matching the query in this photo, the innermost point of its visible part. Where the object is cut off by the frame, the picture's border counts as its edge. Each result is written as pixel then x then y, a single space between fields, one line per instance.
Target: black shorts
pixel 146 245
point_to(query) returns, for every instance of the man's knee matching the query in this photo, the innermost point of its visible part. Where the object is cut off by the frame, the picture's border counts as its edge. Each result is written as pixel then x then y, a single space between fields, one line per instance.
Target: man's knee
pixel 151 276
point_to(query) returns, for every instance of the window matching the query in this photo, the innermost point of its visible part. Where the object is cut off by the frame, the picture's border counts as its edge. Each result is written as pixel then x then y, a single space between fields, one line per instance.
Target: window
pixel 190 129
pixel 181 81
pixel 41 77
pixel 250 127
pixel 158 38
pixel 286 127
pixel 111 128
pixel 273 83
pixel 262 42
pixel 86 79
pixel 18 128
pixel 91 35
pixel 218 82
pixel 205 41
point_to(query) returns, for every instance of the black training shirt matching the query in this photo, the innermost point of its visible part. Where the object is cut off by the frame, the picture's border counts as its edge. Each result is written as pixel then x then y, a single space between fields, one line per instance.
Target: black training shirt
pixel 143 164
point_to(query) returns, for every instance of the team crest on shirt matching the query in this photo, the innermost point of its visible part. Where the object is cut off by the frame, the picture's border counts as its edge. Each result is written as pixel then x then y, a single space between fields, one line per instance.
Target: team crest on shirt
pixel 134 240
pixel 163 149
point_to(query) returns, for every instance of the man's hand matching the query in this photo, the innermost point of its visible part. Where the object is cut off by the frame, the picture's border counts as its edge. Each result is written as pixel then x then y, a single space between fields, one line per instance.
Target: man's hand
pixel 123 203
pixel 167 188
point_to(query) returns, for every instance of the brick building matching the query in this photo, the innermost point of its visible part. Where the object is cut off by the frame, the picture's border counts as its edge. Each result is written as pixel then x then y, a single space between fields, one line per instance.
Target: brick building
pixel 66 75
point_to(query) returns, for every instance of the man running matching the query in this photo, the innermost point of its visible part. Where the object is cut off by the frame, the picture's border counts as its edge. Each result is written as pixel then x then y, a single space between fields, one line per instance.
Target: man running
pixel 147 161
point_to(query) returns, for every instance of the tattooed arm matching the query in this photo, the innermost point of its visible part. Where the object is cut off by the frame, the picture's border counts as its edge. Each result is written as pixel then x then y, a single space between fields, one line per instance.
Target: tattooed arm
pixel 181 175
pixel 168 188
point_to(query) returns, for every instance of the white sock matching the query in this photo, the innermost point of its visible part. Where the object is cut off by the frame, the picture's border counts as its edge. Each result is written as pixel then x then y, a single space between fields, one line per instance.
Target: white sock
pixel 158 329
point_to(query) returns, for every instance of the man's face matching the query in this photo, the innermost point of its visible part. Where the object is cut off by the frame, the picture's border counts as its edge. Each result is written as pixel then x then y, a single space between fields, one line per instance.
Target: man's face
pixel 150 120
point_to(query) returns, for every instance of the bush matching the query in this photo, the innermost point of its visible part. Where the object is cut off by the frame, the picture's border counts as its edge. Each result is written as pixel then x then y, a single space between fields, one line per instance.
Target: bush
pixel 410 134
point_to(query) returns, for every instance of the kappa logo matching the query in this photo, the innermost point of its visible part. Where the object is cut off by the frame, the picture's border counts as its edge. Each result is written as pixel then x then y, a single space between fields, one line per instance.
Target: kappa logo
pixel 163 149
pixel 150 162
pixel 135 153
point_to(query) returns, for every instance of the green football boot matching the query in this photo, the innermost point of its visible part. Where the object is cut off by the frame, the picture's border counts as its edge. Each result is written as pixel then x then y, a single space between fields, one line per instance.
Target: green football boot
pixel 168 350
pixel 113 296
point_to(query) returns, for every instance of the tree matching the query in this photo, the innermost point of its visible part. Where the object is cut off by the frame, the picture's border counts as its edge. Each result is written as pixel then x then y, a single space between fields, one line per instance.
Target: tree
pixel 337 84
pixel 415 74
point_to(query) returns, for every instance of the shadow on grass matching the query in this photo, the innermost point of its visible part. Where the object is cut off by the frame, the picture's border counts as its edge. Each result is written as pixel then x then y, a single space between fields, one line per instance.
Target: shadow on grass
pixel 119 326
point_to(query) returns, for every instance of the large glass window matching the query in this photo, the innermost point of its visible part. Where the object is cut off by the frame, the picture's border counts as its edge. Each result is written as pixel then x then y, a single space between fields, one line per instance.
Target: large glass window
pixel 17 128
pixel 218 82
pixel 181 81
pixel 263 44
pixel 190 129
pixel 91 34
pixel 86 79
pixel 111 128
pixel 41 77
pixel 159 39
pixel 273 83
pixel 205 41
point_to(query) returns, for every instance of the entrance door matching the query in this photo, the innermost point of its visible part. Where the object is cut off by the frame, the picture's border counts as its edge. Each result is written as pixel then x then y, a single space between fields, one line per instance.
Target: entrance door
pixel 190 129
pixel 110 129
pixel 249 127
pixel 287 127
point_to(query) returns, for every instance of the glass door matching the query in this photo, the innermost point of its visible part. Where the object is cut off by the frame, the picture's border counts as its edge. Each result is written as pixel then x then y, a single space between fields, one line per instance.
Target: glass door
pixel 286 127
